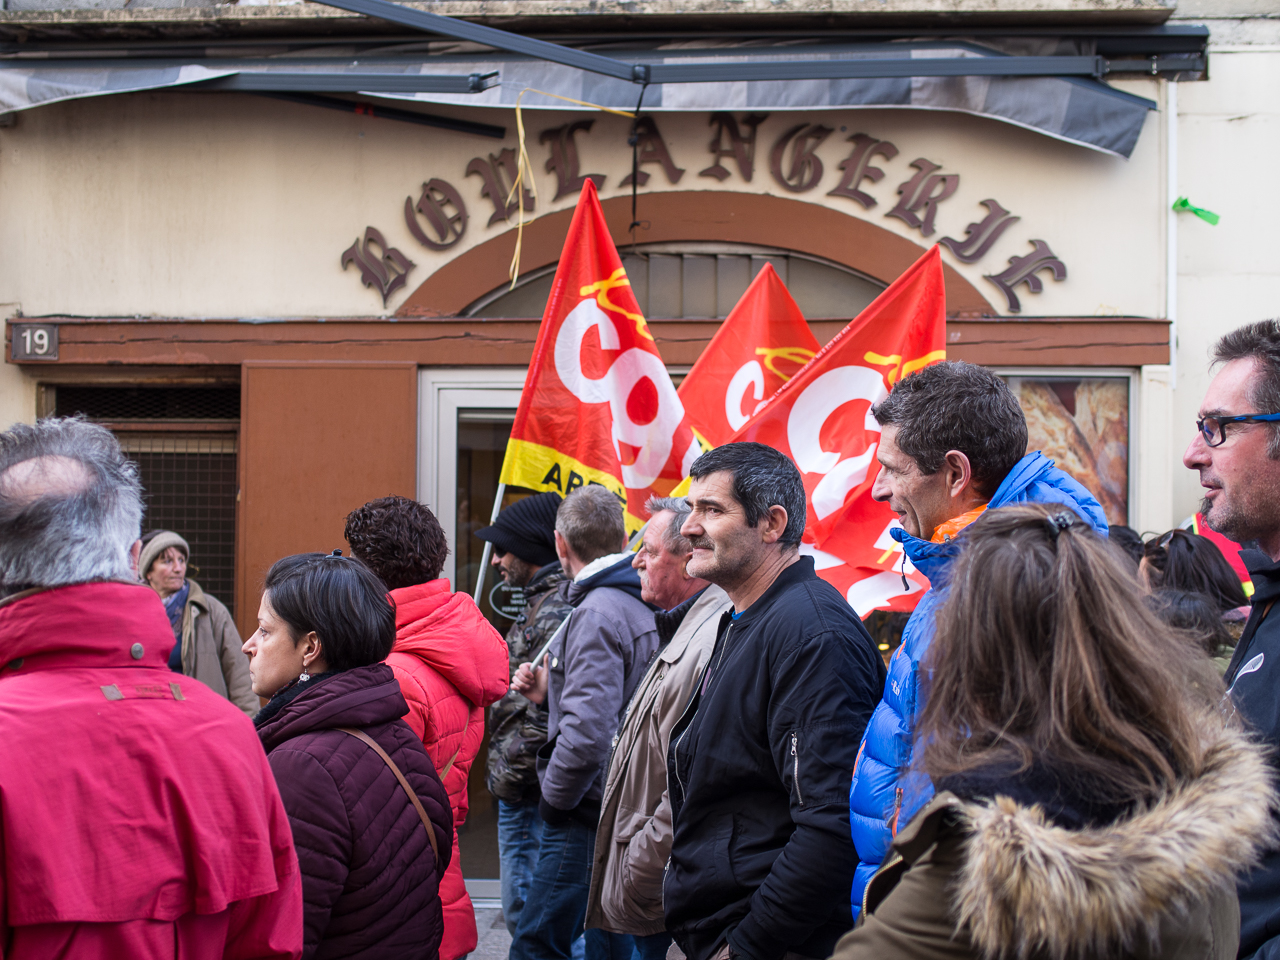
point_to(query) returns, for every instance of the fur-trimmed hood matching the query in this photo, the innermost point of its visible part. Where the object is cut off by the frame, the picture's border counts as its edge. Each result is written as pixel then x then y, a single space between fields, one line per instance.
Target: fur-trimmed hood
pixel 1029 888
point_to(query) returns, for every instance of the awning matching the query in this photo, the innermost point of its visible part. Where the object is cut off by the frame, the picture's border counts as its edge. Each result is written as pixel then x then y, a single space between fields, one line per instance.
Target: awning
pixel 1050 93
pixel 1075 109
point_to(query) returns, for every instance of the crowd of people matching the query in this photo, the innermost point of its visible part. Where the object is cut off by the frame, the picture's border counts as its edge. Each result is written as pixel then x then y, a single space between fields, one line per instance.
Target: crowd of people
pixel 696 747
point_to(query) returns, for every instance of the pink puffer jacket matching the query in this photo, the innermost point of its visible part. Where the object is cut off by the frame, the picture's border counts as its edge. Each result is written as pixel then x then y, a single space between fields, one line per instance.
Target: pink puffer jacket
pixel 451 664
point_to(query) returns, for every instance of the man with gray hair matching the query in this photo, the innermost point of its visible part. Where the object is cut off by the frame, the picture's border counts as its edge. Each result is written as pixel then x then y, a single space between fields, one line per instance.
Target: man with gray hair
pixel 594 664
pixel 139 810
pixel 633 841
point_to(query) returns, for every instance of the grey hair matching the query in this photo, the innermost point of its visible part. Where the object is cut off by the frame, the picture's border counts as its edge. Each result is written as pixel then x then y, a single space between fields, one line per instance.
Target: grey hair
pixel 672 538
pixel 763 478
pixel 54 539
pixel 590 520
pixel 1261 342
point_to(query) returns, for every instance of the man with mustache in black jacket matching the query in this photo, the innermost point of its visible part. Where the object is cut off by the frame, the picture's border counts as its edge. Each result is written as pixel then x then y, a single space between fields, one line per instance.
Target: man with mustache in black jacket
pixel 760 763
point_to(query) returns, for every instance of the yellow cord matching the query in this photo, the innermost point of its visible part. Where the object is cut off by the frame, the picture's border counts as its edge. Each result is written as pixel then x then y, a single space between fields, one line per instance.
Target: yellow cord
pixel 524 167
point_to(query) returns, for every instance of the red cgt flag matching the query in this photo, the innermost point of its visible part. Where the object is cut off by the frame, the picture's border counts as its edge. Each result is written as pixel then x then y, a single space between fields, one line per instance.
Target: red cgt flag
pixel 821 418
pixel 761 344
pixel 598 404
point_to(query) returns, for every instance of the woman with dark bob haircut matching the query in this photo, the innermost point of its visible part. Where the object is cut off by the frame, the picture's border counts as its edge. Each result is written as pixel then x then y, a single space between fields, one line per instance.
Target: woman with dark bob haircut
pixel 370 818
pixel 1094 799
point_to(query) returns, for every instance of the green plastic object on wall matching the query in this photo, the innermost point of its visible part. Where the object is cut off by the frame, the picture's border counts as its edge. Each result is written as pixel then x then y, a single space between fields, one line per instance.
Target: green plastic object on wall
pixel 1208 216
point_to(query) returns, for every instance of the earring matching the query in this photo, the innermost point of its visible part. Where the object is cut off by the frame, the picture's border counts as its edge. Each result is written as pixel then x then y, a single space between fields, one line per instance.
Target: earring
pixel 303 677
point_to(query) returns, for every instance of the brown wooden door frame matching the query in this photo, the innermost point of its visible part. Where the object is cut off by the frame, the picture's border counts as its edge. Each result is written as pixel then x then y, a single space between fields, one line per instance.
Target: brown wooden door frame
pixel 317 439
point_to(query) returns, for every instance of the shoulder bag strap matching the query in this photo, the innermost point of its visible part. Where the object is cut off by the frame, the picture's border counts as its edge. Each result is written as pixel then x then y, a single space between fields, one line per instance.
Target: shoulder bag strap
pixel 449 766
pixel 409 792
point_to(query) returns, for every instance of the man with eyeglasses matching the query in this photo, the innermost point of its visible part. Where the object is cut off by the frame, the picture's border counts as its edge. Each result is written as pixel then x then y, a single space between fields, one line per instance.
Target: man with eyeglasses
pixel 1237 453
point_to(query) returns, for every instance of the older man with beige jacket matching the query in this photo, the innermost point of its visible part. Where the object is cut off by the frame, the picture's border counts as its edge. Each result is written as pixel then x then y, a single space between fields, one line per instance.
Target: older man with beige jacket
pixel 633 840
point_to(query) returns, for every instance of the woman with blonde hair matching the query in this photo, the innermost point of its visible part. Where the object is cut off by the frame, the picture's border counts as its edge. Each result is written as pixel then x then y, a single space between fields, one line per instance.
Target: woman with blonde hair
pixel 1095 798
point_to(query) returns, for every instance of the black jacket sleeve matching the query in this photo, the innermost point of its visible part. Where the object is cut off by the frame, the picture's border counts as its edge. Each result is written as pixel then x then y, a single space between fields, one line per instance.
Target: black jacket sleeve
pixel 825 688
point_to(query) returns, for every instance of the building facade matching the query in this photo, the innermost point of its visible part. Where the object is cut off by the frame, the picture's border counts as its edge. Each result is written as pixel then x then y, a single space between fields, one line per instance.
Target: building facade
pixel 287 302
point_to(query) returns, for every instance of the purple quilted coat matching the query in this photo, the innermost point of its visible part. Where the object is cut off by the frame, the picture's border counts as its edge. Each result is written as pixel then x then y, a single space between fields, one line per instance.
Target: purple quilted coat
pixel 370 884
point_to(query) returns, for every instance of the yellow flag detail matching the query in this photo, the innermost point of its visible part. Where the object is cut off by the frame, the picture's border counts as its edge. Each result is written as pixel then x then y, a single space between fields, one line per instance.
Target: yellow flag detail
pixel 601 290
pixel 797 355
pixel 537 467
pixel 901 369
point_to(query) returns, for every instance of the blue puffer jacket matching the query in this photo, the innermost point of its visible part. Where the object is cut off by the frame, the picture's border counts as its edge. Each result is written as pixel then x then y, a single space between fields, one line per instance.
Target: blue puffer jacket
pixel 885 794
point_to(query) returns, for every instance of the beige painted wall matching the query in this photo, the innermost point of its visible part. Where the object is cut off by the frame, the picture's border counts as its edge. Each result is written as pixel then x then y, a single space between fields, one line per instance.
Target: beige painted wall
pixel 220 205
pixel 17 390
pixel 203 205
pixel 1228 275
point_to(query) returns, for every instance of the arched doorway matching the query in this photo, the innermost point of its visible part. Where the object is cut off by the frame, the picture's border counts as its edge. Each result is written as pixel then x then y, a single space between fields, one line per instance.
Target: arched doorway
pixel 699 280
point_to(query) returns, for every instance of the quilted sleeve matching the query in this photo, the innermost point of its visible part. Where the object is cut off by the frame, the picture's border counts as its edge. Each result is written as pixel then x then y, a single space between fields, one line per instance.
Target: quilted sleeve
pixel 321 834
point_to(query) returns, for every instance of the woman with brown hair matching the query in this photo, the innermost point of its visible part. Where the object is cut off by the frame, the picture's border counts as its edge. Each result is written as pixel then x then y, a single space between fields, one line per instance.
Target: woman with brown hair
pixel 1093 798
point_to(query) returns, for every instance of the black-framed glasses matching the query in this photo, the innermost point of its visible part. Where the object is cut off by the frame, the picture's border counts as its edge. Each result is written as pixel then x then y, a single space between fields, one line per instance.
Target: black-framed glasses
pixel 1214 429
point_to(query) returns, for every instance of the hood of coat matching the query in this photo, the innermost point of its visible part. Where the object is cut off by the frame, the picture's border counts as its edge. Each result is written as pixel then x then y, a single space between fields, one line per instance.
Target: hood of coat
pixel 196 597
pixel 1265 574
pixel 1034 479
pixel 359 697
pixel 86 625
pixel 447 632
pixel 544 579
pixel 1029 888
pixel 613 571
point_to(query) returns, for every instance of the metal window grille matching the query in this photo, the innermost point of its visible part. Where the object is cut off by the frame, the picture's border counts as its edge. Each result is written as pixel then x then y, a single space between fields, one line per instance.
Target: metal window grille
pixel 184 440
pixel 149 403
pixel 191 485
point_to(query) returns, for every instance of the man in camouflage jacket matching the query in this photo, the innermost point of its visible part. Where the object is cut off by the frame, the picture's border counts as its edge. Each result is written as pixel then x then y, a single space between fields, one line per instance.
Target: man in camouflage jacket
pixel 523 539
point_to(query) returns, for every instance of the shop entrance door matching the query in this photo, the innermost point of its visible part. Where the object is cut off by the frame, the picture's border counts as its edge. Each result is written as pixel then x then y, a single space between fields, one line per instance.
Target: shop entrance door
pixel 465 419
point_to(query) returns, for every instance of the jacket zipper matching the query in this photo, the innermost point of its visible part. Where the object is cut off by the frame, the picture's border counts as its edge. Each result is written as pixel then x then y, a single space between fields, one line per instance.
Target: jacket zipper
pixel 897 811
pixel 724 646
pixel 795 763
pixel 893 861
pixel 613 747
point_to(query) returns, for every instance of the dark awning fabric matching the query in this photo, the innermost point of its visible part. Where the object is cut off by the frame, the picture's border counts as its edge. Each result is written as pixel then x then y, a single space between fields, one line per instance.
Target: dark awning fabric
pixel 1075 109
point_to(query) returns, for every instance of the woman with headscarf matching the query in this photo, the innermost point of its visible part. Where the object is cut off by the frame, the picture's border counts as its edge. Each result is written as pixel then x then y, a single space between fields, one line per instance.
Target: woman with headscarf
pixel 206 642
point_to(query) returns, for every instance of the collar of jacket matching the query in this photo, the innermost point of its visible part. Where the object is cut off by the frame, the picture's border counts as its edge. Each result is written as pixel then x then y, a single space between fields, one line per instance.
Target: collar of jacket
pixel 1034 478
pixel 544 579
pixel 668 621
pixel 1265 574
pixel 708 604
pixel 1087 890
pixel 619 575
pixel 448 633
pixel 359 697
pixel 85 625
pixel 197 597
pixel 797 572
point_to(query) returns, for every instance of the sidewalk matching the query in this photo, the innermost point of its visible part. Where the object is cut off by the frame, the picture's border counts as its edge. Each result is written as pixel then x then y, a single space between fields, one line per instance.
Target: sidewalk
pixel 494 941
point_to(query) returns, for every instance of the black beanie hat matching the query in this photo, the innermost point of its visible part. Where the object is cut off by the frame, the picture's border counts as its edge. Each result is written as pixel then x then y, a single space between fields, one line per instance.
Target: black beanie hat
pixel 527 528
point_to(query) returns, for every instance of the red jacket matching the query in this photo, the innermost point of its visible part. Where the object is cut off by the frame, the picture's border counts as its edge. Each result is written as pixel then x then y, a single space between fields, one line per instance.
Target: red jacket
pixel 139 818
pixel 451 664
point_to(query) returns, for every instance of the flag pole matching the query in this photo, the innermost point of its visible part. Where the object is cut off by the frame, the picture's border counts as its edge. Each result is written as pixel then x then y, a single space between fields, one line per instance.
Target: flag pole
pixel 488 545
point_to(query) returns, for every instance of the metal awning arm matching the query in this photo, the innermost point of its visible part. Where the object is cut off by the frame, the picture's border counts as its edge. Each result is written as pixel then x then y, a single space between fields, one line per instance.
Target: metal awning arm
pixel 759 70
pixel 493 37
